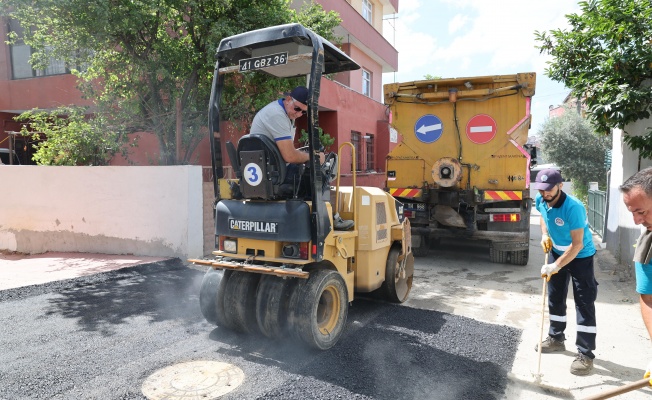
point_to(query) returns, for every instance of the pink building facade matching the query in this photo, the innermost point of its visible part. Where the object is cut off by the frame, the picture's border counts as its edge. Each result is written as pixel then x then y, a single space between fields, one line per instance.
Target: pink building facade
pixel 351 108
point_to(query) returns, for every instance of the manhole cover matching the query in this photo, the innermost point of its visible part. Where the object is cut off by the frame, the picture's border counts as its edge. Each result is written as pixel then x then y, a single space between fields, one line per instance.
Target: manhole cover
pixel 193 380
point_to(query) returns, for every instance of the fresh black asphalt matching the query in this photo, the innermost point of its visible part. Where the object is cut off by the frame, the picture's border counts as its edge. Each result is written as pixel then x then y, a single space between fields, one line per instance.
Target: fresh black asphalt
pixel 101 336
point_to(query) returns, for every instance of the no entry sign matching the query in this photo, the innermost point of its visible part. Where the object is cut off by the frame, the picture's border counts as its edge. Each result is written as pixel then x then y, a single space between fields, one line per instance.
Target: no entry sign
pixel 481 128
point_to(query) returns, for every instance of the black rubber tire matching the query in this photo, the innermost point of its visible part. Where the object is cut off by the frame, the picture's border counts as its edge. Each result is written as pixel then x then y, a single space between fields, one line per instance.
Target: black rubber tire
pixel 222 320
pixel 421 251
pixel 517 257
pixel 520 257
pixel 240 302
pixel 497 256
pixel 272 301
pixel 397 285
pixel 208 294
pixel 318 309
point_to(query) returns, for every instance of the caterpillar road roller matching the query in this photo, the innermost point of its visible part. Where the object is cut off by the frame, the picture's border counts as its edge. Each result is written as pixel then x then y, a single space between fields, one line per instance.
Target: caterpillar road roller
pixel 462 168
pixel 281 268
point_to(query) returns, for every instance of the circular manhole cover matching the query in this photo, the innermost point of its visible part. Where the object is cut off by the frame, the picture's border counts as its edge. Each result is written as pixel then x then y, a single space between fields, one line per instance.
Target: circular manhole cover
pixel 192 380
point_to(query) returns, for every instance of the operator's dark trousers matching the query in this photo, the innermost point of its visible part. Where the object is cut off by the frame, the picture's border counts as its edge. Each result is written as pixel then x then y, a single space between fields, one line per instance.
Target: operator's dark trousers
pixel 585 291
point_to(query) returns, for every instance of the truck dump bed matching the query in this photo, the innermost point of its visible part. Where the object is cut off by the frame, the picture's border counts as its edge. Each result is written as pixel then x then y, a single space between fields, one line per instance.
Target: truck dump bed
pixel 484 129
pixel 461 167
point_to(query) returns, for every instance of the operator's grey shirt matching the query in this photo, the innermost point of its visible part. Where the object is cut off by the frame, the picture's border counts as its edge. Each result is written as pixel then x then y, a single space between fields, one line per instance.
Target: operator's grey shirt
pixel 273 122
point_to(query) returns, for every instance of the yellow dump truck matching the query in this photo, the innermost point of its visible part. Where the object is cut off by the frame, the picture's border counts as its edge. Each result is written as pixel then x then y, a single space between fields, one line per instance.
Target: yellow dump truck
pixel 461 169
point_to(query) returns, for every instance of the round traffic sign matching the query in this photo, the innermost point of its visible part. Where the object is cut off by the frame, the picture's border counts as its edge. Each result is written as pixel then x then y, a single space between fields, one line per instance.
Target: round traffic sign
pixel 428 128
pixel 481 129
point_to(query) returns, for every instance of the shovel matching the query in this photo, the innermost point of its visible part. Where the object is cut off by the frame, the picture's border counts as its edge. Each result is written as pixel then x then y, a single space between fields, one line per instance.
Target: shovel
pixel 620 390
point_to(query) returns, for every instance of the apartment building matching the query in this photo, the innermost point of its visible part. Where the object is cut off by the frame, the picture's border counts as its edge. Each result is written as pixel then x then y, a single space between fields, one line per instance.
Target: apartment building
pixel 350 109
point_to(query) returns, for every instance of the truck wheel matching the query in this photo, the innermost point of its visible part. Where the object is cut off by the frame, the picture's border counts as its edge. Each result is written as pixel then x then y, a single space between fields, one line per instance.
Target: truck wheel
pixel 240 301
pixel 208 294
pixel 497 256
pixel 422 250
pixel 272 301
pixel 318 309
pixel 520 257
pixel 398 282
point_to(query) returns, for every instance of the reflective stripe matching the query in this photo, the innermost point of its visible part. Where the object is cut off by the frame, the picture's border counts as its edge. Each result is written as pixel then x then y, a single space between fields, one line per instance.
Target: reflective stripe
pixel 560 248
pixel 587 329
pixel 558 318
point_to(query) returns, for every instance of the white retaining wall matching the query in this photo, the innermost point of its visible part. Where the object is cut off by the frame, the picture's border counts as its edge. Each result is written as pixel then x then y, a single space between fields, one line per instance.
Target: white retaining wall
pixel 620 231
pixel 149 211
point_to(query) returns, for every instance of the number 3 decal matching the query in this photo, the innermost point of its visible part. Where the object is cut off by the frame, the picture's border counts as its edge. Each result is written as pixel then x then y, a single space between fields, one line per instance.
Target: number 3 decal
pixel 253 174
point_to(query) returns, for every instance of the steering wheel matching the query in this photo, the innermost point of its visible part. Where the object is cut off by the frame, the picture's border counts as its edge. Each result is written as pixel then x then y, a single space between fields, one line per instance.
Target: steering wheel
pixel 329 167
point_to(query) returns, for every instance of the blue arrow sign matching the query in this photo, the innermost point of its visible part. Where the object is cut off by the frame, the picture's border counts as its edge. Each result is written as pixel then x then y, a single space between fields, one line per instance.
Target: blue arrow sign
pixel 428 128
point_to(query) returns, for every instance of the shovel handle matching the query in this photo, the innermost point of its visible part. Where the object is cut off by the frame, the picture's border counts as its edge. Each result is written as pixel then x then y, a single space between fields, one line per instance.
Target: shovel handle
pixel 543 320
pixel 620 390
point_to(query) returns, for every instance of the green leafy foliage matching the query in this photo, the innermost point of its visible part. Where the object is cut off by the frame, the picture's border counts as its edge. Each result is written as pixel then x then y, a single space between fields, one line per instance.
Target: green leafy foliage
pixel 325 139
pixel 71 137
pixel 605 58
pixel 570 142
pixel 430 77
pixel 148 65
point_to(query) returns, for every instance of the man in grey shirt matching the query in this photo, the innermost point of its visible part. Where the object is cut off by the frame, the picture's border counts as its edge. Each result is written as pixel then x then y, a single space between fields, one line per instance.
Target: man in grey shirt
pixel 276 121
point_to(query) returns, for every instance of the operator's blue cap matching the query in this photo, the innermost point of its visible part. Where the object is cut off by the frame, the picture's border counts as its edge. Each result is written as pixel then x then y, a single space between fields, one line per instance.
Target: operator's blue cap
pixel 547 179
pixel 300 94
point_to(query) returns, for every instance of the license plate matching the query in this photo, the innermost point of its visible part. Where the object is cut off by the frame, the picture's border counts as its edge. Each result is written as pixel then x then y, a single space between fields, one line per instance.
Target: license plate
pixel 250 64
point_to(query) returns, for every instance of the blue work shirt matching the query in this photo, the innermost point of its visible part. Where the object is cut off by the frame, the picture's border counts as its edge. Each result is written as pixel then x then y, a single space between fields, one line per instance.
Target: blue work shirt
pixel 565 216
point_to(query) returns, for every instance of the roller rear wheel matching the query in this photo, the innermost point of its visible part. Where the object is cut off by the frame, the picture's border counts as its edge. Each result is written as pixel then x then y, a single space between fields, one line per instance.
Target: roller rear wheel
pixel 222 320
pixel 272 301
pixel 240 301
pixel 208 294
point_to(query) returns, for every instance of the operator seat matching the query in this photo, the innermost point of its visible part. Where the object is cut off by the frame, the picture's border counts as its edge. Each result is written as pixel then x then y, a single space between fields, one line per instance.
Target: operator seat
pixel 261 167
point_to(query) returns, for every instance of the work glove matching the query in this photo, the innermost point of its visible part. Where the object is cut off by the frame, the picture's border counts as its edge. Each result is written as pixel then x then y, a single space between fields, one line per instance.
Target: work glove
pixel 549 270
pixel 647 372
pixel 546 243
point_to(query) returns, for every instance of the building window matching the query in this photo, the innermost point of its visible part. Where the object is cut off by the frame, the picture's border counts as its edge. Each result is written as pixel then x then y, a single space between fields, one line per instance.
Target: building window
pixel 356 139
pixel 366 83
pixel 367 11
pixel 20 54
pixel 369 149
pixel 364 151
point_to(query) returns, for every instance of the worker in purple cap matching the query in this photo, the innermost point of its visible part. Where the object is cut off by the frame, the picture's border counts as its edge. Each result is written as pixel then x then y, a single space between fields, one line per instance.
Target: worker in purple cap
pixel 566 236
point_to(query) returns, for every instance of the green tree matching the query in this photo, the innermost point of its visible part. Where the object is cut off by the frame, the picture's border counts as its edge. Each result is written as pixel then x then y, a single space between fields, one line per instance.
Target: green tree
pixel 605 58
pixel 570 142
pixel 325 139
pixel 73 138
pixel 430 77
pixel 143 63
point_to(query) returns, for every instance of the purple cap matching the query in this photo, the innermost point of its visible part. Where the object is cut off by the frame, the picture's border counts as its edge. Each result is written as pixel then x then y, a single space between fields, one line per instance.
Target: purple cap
pixel 300 94
pixel 547 179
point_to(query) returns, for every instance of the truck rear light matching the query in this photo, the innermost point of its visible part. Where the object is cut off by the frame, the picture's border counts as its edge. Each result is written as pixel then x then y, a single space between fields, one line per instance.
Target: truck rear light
pixel 504 217
pixel 409 214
